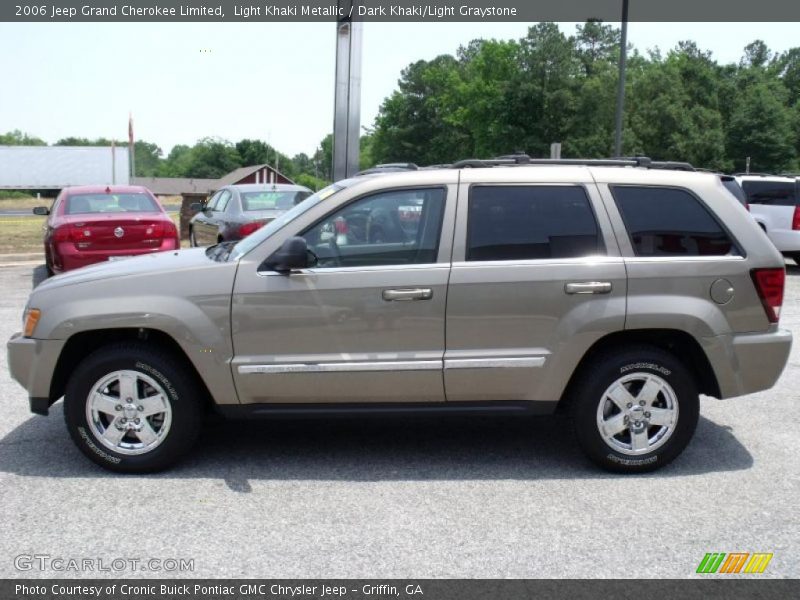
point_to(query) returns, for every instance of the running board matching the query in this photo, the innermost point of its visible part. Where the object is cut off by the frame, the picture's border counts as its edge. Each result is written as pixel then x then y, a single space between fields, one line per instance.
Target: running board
pixel 383 409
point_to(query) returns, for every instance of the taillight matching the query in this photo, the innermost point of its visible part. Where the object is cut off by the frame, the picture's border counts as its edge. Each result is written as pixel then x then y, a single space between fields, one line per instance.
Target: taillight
pixel 796 218
pixel 248 228
pixel 769 285
pixel 67 233
pixel 156 230
pixel 747 206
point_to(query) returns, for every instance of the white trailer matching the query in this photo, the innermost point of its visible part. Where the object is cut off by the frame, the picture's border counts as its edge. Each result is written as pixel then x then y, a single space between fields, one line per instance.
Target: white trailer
pixel 57 167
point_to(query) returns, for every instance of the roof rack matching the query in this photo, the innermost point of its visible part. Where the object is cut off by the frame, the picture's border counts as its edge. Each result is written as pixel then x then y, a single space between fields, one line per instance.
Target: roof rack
pixel 510 160
pixel 754 174
pixel 388 168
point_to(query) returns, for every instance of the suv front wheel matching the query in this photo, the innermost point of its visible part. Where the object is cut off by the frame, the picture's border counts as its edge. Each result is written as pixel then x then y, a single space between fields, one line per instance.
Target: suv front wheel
pixel 635 410
pixel 132 409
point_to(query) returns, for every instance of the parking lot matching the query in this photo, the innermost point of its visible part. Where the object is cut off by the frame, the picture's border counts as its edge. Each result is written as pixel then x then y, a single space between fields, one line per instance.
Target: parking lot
pixel 407 498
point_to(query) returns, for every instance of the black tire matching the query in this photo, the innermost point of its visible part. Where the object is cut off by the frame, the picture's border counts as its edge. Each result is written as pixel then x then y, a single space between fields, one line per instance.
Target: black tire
pixel 177 382
pixel 192 238
pixel 606 369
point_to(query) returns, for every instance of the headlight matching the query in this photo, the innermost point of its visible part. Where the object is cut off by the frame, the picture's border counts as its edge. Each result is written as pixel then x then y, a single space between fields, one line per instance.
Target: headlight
pixel 30 319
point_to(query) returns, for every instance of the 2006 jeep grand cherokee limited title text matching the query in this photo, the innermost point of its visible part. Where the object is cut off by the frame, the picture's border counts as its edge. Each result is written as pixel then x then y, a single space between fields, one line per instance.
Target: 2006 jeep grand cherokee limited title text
pixel 615 289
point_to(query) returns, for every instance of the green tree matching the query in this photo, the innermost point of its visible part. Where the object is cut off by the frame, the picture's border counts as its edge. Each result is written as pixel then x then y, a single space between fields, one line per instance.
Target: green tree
pixel 18 138
pixel 762 127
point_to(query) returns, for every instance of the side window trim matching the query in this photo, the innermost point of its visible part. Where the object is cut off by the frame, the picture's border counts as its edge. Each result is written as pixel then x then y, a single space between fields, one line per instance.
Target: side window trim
pixel 711 214
pixel 600 233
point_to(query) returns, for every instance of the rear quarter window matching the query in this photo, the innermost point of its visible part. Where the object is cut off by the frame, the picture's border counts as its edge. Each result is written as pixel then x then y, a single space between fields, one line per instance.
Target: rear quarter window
pixel 671 222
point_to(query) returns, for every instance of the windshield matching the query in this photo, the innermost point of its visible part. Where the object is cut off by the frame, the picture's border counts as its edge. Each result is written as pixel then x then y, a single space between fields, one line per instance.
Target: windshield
pixel 253 240
pixel 266 200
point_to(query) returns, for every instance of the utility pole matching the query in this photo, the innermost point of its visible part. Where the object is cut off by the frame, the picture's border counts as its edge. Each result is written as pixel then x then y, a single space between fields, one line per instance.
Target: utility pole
pixel 623 55
pixel 347 103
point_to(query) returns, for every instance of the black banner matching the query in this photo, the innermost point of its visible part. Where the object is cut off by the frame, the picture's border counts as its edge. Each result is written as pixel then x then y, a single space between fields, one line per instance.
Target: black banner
pixel 394 10
pixel 728 588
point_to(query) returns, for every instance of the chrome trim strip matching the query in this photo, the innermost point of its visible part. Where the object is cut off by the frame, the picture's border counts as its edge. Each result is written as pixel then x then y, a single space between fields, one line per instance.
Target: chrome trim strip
pixel 400 365
pixel 494 363
pixel 325 270
pixel 533 262
pixel 674 259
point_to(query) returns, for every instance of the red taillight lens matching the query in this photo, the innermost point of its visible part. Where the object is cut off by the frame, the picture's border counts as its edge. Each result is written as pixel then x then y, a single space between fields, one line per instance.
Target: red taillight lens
pixel 796 219
pixel 747 206
pixel 248 228
pixel 769 285
pixel 67 233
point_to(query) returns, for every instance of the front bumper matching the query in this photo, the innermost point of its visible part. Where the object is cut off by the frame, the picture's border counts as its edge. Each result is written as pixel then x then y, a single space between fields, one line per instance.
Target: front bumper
pixel 748 362
pixel 32 363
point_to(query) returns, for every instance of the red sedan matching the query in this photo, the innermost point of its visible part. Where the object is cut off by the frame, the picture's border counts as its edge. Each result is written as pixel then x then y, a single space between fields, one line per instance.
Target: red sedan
pixel 92 224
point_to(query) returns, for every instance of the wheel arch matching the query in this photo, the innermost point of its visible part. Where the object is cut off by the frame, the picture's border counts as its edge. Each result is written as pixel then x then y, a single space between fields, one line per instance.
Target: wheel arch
pixel 83 343
pixel 682 345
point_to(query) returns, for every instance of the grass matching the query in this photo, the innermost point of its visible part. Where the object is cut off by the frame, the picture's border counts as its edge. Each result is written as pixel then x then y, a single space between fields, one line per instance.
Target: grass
pixel 24 203
pixel 19 235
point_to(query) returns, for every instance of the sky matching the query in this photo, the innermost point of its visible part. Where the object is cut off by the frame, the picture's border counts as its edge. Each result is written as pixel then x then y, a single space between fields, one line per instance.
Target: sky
pixel 267 81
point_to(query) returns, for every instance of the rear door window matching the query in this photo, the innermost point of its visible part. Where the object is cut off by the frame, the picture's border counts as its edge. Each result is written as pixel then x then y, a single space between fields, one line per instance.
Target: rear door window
pixel 670 222
pixel 522 222
pixel 773 193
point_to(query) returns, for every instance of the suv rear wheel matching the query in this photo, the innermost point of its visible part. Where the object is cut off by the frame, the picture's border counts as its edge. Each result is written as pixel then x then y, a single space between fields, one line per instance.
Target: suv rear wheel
pixel 635 410
pixel 132 409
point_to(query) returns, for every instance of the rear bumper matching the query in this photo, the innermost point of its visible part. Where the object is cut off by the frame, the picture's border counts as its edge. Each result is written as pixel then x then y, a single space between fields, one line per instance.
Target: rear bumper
pixel 750 362
pixel 31 363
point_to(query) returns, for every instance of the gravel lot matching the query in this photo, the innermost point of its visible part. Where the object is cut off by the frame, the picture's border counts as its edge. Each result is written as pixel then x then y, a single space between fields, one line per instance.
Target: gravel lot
pixel 410 498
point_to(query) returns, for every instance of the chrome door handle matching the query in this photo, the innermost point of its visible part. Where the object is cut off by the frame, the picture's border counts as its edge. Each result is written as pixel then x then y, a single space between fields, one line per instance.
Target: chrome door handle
pixel 588 287
pixel 408 294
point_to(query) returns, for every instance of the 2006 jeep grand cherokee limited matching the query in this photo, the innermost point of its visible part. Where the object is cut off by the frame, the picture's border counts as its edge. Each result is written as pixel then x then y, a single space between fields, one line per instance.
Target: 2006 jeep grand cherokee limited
pixel 619 291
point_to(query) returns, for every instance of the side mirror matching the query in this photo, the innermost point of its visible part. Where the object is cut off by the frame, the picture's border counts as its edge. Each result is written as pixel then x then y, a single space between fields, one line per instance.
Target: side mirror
pixel 42 211
pixel 196 207
pixel 293 254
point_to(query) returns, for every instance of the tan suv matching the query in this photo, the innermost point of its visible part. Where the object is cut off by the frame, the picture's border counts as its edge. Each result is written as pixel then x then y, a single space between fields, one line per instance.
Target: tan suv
pixel 614 289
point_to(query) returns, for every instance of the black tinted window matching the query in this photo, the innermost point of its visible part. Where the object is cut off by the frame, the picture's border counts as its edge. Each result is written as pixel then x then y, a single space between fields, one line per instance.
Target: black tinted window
pixel 670 222
pixel 529 222
pixel 777 193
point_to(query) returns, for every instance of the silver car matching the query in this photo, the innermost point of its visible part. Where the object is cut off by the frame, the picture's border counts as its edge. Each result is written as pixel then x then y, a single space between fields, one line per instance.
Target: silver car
pixel 610 289
pixel 236 211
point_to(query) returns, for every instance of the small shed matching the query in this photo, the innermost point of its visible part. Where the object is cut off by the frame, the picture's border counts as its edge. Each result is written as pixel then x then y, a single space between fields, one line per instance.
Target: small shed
pixel 254 174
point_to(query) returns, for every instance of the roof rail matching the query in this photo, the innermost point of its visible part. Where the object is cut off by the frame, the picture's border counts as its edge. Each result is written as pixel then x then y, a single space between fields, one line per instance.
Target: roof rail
pixel 754 174
pixel 523 159
pixel 388 168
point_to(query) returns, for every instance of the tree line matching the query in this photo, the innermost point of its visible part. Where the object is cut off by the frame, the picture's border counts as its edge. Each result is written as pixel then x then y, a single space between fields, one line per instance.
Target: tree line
pixel 499 96
pixel 495 97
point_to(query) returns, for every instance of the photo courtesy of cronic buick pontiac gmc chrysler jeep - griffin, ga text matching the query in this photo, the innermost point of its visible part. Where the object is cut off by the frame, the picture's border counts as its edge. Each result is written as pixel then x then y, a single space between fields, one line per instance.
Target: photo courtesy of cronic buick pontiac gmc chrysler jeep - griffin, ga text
pixel 616 290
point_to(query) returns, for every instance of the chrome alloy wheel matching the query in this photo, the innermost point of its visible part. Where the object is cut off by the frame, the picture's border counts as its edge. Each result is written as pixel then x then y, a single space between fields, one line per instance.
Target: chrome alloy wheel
pixel 637 413
pixel 129 412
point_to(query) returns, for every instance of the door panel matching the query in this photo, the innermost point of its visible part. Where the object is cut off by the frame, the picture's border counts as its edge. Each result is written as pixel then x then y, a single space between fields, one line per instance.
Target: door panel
pixel 330 336
pixel 517 327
